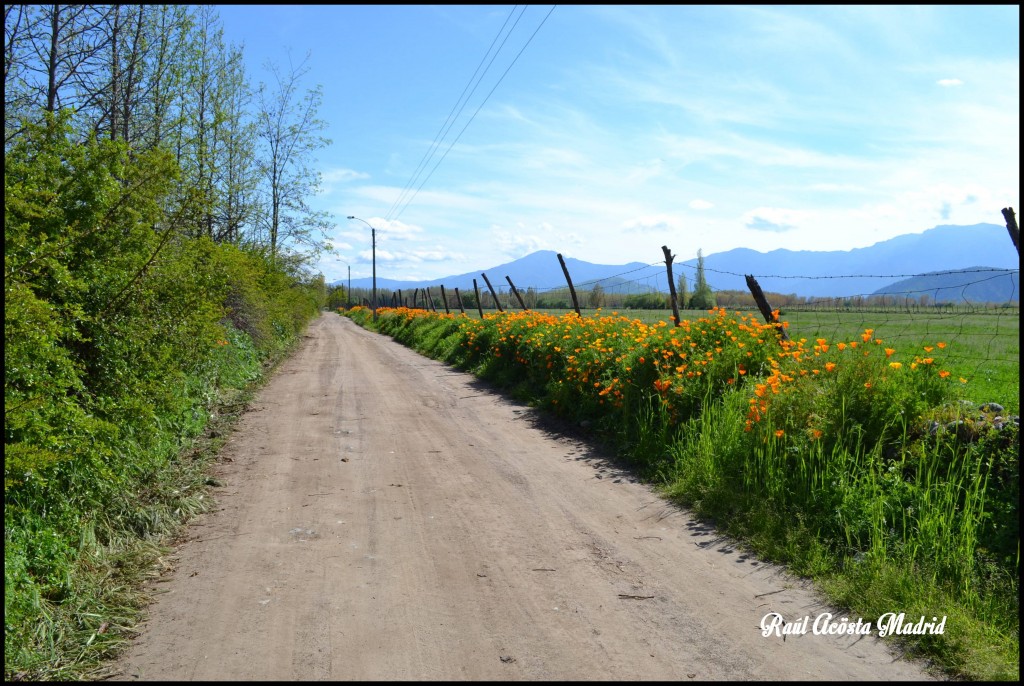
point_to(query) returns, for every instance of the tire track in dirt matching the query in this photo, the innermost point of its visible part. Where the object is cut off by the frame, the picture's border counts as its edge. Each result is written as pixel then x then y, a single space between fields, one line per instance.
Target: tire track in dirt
pixel 387 518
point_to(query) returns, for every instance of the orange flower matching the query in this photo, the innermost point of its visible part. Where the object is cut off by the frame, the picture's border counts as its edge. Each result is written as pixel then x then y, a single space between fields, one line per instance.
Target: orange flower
pixel 895 365
pixel 928 348
pixel 943 374
pixel 829 366
pixel 867 384
pixel 780 433
pixel 841 346
pixel 941 345
pixel 889 352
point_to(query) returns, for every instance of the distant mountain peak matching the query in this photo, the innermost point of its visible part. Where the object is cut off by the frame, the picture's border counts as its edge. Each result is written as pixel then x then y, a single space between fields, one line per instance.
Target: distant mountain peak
pixel 838 273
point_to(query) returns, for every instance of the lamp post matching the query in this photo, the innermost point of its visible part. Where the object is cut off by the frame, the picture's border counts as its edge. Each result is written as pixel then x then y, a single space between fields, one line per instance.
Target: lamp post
pixel 373 235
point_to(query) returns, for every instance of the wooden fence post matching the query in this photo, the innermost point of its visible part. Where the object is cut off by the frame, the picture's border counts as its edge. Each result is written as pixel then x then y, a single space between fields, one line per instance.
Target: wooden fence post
pixel 572 291
pixel 762 304
pixel 401 303
pixel 444 299
pixel 415 298
pixel 494 295
pixel 1011 226
pixel 671 284
pixel 479 306
pixel 516 293
pixel 458 299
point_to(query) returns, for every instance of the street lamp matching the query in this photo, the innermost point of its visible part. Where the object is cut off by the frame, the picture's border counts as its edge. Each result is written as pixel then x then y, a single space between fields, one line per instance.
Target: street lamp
pixel 373 234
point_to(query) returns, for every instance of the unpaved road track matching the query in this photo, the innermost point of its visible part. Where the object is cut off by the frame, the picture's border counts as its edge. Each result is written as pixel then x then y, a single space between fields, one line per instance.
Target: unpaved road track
pixel 384 517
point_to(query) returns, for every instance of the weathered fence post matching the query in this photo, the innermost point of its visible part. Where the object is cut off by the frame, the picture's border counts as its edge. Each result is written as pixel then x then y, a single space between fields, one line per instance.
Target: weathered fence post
pixel 762 304
pixel 1011 226
pixel 458 299
pixel 671 284
pixel 479 305
pixel 415 298
pixel 494 295
pixel 516 293
pixel 444 299
pixel 401 303
pixel 572 291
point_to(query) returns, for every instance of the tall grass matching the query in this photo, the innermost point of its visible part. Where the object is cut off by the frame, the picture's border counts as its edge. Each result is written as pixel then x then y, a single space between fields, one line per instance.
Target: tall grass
pixel 822 456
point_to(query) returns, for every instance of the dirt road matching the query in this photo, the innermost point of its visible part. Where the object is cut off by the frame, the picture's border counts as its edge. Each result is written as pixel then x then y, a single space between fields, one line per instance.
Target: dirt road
pixel 384 517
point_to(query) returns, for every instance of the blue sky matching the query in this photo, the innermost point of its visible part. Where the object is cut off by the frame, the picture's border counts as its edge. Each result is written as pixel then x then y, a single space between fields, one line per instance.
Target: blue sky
pixel 621 129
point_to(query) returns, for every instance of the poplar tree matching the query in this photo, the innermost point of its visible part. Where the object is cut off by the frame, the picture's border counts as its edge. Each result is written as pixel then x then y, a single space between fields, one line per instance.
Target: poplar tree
pixel 703 297
pixel 682 291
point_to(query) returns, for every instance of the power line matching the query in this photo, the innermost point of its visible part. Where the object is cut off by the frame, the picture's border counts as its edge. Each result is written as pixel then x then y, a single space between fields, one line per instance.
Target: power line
pixel 452 144
pixel 453 115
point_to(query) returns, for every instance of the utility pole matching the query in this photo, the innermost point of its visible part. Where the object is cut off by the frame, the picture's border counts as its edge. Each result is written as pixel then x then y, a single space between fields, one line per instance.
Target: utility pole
pixel 373 234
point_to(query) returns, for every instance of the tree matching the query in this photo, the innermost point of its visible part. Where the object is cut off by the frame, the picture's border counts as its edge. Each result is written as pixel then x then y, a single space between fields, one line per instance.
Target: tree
pixel 530 297
pixel 703 297
pixel 289 130
pixel 337 297
pixel 596 297
pixel 682 291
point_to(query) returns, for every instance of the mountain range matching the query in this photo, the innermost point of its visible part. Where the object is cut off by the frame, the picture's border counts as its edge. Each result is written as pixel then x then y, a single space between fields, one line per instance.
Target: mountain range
pixel 841 273
pixel 976 285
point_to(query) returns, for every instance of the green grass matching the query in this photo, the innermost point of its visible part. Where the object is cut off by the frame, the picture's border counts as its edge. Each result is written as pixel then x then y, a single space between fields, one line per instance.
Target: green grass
pixel 71 605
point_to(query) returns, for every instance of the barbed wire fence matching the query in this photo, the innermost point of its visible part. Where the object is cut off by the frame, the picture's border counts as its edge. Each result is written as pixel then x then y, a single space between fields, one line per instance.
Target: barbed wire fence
pixel 979 336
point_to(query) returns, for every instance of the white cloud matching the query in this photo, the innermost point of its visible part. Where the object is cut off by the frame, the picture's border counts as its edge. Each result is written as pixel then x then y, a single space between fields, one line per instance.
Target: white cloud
pixel 775 219
pixel 392 230
pixel 341 175
pixel 654 222
pixel 517 244
pixel 948 83
pixel 334 244
pixel 699 204
pixel 409 257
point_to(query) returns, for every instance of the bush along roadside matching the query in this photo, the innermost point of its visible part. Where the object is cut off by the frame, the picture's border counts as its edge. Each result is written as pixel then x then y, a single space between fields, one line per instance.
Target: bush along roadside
pixel 854 463
pixel 124 338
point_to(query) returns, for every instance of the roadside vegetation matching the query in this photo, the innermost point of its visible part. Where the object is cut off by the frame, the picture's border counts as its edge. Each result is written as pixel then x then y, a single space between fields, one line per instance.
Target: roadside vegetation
pixel 153 273
pixel 861 463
